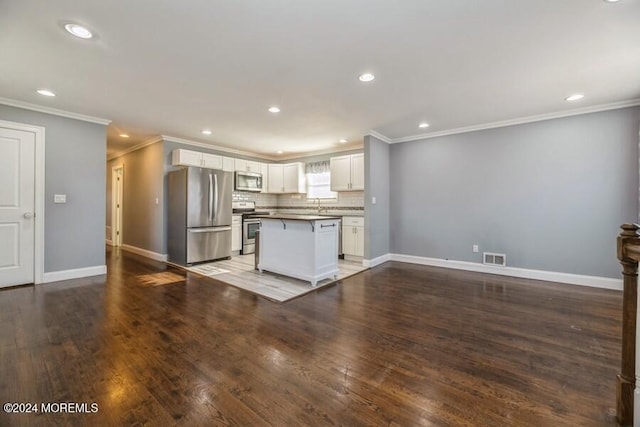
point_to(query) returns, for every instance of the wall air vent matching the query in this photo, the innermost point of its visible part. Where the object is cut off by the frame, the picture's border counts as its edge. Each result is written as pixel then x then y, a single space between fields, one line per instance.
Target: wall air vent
pixel 490 258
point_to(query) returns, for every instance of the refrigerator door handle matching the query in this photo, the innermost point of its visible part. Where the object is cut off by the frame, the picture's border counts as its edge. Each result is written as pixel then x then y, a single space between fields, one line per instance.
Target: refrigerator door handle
pixel 210 197
pixel 215 196
pixel 208 230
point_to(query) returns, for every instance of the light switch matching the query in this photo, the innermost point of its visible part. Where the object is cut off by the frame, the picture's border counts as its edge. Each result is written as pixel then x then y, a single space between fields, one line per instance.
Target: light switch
pixel 373 200
pixel 157 201
pixel 59 198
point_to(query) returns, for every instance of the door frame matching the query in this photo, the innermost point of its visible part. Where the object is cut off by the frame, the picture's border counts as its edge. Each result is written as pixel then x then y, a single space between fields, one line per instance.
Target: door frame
pixel 39 179
pixel 114 220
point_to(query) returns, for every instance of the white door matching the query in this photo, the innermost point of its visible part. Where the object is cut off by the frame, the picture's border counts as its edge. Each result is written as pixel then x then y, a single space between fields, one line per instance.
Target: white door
pixel 116 213
pixel 17 205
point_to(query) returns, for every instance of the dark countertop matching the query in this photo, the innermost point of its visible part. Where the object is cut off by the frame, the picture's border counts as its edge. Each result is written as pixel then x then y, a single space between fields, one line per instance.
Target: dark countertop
pixel 294 217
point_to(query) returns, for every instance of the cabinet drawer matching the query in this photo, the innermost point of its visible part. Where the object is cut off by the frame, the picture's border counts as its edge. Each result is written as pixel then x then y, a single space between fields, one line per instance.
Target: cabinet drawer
pixel 353 221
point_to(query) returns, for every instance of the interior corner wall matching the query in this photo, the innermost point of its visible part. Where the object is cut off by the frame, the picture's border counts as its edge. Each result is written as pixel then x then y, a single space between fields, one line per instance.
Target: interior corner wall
pixel 75 153
pixel 376 184
pixel 551 195
pixel 143 224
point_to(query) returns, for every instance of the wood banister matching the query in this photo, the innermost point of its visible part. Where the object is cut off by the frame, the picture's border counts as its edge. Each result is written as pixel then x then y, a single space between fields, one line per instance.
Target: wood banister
pixel 629 255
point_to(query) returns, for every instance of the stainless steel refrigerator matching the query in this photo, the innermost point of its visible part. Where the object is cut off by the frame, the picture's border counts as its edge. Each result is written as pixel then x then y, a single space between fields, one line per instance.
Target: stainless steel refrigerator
pixel 199 215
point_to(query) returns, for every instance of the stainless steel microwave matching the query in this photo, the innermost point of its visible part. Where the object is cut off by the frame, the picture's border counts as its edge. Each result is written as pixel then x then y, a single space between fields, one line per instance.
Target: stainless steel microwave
pixel 248 181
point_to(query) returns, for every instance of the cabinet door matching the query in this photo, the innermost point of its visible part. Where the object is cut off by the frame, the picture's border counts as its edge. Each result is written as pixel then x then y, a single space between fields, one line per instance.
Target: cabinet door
pixel 275 179
pixel 340 173
pixel 357 172
pixel 186 158
pixel 348 240
pixel 236 237
pixel 290 178
pixel 264 170
pixel 240 165
pixel 253 167
pixel 228 164
pixel 211 161
pixel 359 241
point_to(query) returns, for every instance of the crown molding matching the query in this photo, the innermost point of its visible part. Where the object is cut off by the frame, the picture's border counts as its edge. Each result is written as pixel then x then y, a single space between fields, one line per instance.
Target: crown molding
pixel 522 120
pixel 53 111
pixel 216 147
pixel 380 136
pixel 143 144
pixel 321 152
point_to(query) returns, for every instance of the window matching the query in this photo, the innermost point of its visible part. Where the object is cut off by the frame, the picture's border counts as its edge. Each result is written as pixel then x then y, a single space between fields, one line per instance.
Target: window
pixel 319 181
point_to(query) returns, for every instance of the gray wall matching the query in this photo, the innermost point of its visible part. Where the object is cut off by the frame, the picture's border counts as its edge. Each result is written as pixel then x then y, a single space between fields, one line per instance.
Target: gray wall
pixel 376 184
pixel 75 152
pixel 551 194
pixel 142 219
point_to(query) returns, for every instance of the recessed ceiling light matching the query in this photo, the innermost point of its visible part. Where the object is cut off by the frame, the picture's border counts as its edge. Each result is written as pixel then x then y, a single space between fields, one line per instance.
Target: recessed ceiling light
pixel 206 132
pixel 366 77
pixel 342 141
pixel 574 97
pixel 274 109
pixel 423 125
pixel 45 92
pixel 611 1
pixel 279 151
pixel 124 135
pixel 78 31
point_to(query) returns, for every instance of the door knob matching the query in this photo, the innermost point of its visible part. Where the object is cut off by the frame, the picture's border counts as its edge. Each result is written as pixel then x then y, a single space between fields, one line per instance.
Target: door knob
pixel 28 215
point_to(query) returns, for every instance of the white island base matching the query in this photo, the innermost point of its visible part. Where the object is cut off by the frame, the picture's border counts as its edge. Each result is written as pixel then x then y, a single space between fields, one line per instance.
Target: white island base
pixel 303 247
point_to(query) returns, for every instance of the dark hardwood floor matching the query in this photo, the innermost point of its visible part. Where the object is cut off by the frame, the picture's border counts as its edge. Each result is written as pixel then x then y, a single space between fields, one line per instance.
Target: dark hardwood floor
pixel 399 345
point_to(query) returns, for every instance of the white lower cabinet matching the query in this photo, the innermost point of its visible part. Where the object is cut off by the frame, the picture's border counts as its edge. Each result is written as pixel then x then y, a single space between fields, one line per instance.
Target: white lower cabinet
pixel 353 235
pixel 236 233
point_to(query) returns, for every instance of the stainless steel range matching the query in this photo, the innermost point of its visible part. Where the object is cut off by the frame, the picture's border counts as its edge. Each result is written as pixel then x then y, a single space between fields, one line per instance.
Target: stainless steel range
pixel 249 224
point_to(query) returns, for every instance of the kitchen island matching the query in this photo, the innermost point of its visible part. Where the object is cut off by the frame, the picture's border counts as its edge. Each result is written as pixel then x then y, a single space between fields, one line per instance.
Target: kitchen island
pixel 300 246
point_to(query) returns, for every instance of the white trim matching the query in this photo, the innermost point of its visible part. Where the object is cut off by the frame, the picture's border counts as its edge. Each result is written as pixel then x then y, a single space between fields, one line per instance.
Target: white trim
pixel 137 147
pixel 38 244
pixel 550 276
pixel 76 273
pixel 380 136
pixel 54 111
pixel 216 147
pixel 332 150
pixel 521 120
pixel 376 261
pixel 145 253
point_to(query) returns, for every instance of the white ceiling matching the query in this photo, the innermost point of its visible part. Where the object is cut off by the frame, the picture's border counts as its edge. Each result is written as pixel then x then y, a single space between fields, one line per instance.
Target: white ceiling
pixel 167 67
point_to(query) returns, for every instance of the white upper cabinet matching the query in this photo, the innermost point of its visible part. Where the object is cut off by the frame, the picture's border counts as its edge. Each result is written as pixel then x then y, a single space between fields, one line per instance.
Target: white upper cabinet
pixel 182 157
pixel 264 170
pixel 347 172
pixel 228 164
pixel 247 166
pixel 286 178
pixel 275 182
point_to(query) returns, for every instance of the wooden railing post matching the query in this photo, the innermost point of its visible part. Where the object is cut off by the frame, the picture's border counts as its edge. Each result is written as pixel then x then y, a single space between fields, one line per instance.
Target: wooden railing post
pixel 628 244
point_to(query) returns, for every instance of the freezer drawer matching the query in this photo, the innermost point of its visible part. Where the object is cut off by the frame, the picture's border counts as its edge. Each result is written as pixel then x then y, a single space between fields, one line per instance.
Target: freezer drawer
pixel 209 243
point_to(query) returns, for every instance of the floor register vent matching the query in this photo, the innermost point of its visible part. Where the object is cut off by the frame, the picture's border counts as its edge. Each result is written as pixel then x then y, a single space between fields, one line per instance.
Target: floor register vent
pixel 490 258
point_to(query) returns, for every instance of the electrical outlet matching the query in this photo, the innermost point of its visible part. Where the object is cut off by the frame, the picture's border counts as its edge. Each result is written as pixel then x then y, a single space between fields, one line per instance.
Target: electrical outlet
pixel 59 198
pixel 475 248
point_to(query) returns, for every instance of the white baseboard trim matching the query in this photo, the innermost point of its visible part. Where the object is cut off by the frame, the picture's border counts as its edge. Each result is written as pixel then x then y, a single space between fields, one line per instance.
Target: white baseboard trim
pixel 76 273
pixel 145 253
pixel 376 261
pixel 550 276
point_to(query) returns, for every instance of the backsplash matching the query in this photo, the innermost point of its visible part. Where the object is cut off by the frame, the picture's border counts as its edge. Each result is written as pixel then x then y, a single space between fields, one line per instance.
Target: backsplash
pixel 347 203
